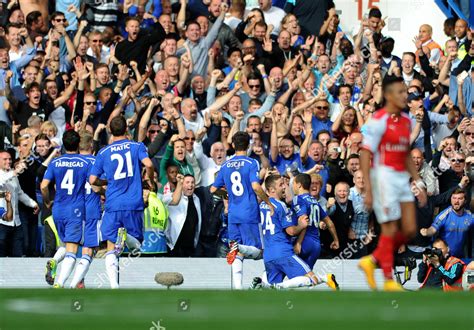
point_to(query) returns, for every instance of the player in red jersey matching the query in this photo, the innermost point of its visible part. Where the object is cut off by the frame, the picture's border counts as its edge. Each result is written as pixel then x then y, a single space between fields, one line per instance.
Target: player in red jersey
pixel 387 183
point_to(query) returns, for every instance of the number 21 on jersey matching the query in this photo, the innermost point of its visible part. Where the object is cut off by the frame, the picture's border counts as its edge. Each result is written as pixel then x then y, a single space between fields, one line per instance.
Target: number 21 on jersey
pixel 120 162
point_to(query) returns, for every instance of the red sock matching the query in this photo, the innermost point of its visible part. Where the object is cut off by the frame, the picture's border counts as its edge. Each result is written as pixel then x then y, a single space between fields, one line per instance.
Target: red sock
pixel 398 240
pixel 383 254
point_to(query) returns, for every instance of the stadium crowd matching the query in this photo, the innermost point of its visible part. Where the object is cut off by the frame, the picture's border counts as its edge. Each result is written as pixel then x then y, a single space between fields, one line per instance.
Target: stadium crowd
pixel 189 74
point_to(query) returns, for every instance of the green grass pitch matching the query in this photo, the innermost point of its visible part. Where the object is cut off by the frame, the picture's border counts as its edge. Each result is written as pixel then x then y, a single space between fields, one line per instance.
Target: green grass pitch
pixel 180 309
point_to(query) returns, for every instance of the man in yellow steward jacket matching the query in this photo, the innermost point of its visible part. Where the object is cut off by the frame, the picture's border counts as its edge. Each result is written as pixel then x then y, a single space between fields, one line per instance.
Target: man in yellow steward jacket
pixel 155 222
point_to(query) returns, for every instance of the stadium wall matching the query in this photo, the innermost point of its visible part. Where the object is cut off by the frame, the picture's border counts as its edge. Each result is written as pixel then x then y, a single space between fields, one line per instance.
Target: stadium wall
pixel 199 273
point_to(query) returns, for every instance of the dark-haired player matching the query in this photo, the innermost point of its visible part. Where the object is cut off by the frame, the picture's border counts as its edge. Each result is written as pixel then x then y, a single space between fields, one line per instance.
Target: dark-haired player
pixel 91 226
pixel 239 175
pixel 278 255
pixel 388 190
pixel 308 244
pixel 122 223
pixel 69 174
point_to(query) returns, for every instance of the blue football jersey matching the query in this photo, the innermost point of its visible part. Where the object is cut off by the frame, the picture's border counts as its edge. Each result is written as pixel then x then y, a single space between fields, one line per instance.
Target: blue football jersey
pixel 3 212
pixel 121 162
pixel 454 229
pixel 323 172
pixel 92 198
pixel 237 175
pixel 69 172
pixel 283 164
pixel 276 242
pixel 306 204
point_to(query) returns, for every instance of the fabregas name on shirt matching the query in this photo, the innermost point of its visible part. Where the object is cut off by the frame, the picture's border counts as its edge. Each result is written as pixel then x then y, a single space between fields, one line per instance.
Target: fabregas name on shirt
pixel 63 163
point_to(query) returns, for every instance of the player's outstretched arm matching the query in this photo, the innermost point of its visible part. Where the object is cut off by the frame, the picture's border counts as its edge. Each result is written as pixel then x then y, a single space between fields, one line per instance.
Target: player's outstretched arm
pixel 257 188
pixel 332 231
pixel 299 229
pixel 95 181
pixel 302 223
pixel 100 190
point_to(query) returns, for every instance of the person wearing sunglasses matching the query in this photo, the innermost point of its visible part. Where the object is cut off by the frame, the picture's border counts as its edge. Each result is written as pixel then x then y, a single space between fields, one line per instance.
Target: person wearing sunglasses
pixel 97 49
pixel 191 157
pixel 320 119
pixel 467 136
pixel 453 175
pixel 254 91
pixel 58 20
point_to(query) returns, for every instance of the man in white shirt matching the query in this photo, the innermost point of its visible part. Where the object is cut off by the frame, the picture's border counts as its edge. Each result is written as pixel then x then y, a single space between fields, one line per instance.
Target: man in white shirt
pixel 210 165
pixel 14 33
pixel 184 225
pixel 12 231
pixel 193 120
pixel 273 15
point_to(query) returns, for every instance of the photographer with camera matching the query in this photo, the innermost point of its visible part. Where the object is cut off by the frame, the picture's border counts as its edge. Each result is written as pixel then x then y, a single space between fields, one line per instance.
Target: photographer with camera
pixel 440 269
pixel 429 276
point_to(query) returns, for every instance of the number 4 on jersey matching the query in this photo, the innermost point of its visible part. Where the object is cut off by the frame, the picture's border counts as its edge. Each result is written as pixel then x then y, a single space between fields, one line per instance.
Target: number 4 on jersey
pixel 68 182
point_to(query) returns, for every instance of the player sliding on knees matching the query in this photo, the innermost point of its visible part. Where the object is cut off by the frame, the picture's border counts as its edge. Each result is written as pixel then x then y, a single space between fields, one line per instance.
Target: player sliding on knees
pixel 308 245
pixel 122 222
pixel 278 255
pixel 69 173
pixel 387 188
pixel 239 175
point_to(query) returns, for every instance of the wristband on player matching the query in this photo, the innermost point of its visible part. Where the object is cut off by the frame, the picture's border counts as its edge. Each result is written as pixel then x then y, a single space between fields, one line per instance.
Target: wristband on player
pixel 265 76
pixel 420 184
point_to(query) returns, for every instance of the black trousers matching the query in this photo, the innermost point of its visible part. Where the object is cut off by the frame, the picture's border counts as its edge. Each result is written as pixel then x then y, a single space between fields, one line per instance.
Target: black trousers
pixel 30 232
pixel 182 252
pixel 49 242
pixel 11 241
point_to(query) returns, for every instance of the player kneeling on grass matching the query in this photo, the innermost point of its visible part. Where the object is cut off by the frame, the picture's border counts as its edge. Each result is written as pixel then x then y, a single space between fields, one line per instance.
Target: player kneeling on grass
pixel 278 255
pixel 308 245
